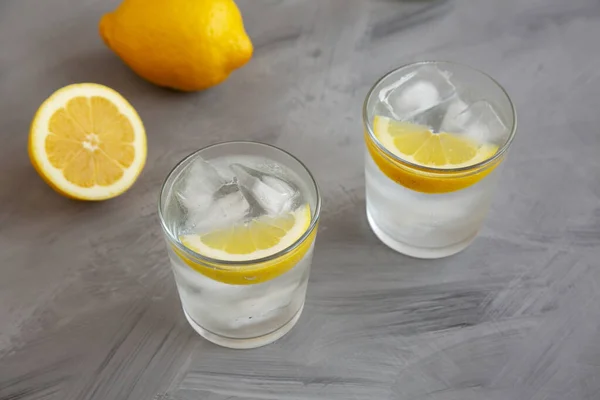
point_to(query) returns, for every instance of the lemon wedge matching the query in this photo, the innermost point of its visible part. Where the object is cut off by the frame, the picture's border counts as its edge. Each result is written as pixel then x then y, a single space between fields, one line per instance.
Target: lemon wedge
pixel 87 142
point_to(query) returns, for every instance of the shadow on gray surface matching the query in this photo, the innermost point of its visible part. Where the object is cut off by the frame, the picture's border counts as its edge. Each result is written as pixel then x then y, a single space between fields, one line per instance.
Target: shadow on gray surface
pixel 408 14
pixel 106 68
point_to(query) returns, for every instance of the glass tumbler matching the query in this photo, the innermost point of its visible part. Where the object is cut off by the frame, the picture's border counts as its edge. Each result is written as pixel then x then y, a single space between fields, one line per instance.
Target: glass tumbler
pixel 240 221
pixel 436 134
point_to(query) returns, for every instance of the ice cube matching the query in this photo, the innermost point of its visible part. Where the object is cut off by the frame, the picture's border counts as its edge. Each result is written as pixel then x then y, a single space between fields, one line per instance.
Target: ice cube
pixel 229 206
pixel 272 193
pixel 209 200
pixel 422 89
pixel 198 185
pixel 478 121
pixel 432 117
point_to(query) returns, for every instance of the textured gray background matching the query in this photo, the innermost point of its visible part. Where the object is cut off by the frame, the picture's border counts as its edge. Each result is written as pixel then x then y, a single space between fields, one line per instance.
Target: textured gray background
pixel 88 308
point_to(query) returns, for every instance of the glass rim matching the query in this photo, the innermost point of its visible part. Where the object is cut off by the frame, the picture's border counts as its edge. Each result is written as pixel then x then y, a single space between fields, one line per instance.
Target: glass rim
pixel 468 168
pixel 215 262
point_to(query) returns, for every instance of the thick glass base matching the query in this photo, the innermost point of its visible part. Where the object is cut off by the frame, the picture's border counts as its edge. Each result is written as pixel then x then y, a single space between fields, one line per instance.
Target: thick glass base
pixel 418 252
pixel 249 343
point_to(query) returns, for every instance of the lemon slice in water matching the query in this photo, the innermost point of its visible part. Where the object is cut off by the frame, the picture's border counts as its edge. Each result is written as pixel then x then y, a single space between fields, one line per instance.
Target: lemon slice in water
pixel 250 241
pixel 417 144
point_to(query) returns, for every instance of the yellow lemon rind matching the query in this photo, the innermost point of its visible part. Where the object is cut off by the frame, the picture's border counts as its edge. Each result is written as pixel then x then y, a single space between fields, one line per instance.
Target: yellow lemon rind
pixel 188 47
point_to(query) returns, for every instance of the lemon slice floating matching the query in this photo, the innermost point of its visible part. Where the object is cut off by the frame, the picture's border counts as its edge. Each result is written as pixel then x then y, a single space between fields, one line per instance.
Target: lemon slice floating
pixel 416 144
pixel 87 142
pixel 253 240
pixel 249 241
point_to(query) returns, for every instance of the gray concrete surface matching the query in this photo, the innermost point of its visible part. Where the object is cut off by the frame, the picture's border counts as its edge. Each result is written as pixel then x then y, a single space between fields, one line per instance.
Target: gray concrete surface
pixel 88 308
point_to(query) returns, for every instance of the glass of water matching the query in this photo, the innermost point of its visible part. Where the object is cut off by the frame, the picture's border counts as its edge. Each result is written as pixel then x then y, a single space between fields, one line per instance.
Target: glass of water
pixel 240 221
pixel 436 134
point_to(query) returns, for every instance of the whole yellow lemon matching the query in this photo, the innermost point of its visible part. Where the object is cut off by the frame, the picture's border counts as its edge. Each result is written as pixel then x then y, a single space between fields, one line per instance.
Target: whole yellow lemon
pixel 182 44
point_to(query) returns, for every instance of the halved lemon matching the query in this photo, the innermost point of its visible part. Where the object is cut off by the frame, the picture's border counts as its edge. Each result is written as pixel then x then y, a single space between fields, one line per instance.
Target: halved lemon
pixel 249 241
pixel 87 142
pixel 418 145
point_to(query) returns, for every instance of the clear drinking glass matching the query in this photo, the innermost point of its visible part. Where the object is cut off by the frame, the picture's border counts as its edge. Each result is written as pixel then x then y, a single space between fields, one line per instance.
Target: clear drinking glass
pixel 424 209
pixel 244 291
